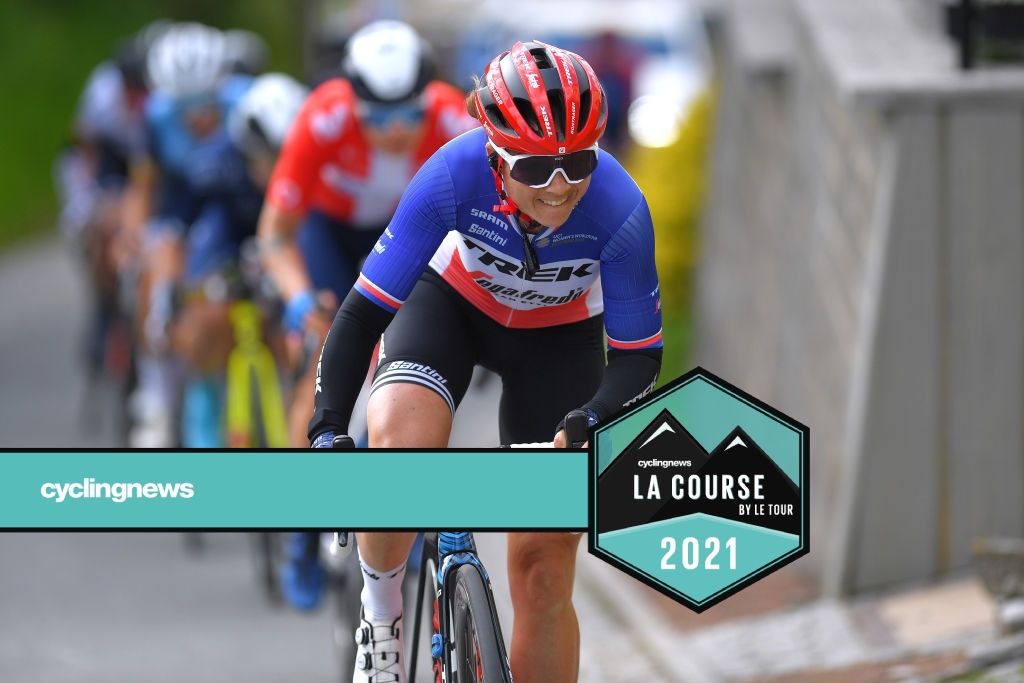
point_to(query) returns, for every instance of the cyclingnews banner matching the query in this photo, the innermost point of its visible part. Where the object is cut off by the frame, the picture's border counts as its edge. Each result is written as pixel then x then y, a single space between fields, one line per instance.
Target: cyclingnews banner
pixel 698 490
pixel 236 489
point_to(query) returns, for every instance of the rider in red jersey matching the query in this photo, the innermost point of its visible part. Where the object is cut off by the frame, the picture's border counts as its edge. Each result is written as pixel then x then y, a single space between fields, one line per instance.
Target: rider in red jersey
pixel 337 156
pixel 353 148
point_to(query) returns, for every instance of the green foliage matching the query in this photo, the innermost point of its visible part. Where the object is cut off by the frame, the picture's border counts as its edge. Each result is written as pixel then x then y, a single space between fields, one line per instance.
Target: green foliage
pixel 49 47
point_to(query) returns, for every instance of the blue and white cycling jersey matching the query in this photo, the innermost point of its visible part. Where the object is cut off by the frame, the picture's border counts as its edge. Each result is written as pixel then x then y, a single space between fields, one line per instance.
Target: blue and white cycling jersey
pixel 601 259
pixel 169 142
pixel 227 205
pixel 104 112
pixel 206 188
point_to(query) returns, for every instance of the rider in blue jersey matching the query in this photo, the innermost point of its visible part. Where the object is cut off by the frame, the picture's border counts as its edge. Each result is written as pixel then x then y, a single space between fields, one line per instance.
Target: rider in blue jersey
pixel 228 175
pixel 451 224
pixel 515 247
pixel 191 98
pixel 180 129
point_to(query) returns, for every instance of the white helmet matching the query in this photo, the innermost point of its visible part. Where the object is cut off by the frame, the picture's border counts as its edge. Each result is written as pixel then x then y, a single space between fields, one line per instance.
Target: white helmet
pixel 263 116
pixel 187 59
pixel 387 61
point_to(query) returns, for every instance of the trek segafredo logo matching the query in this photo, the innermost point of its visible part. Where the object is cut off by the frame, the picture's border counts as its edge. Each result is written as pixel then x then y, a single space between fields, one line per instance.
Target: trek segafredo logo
pixel 560 273
pixel 529 295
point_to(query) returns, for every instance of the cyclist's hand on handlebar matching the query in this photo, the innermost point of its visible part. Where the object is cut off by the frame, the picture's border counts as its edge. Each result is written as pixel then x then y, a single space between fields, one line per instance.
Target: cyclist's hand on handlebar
pixel 318 320
pixel 331 440
pixel 559 440
pixel 307 319
pixel 310 311
pixel 573 432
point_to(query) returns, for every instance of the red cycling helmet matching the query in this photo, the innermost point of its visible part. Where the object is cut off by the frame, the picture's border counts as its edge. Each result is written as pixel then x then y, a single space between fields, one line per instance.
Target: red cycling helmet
pixel 539 99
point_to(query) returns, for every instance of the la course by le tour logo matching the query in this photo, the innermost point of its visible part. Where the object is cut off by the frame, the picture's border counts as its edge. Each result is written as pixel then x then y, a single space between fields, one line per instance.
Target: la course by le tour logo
pixel 699 490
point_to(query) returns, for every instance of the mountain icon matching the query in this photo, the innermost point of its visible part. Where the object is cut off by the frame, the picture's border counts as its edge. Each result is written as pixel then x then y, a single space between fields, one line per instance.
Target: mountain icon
pixel 664 439
pixel 739 454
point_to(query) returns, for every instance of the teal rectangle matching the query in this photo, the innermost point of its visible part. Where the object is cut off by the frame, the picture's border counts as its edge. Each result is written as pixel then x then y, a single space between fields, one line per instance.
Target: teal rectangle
pixel 299 489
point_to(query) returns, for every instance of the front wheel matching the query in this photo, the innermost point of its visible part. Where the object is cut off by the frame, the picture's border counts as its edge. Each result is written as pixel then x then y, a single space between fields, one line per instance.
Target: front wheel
pixel 479 653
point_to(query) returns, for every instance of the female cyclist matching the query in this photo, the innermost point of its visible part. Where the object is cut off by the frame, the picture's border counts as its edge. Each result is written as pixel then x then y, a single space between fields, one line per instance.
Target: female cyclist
pixel 515 247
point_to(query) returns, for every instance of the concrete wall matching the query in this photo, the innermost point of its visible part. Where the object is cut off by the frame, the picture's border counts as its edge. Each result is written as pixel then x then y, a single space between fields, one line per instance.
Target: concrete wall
pixel 863 270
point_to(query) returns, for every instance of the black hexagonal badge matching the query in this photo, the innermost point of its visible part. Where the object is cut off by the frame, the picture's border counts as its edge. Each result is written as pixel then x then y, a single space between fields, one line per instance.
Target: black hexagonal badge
pixel 699 490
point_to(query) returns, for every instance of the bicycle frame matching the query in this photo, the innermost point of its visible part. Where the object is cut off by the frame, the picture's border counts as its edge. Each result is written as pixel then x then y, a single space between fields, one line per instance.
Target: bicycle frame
pixel 441 556
pixel 454 549
pixel 250 360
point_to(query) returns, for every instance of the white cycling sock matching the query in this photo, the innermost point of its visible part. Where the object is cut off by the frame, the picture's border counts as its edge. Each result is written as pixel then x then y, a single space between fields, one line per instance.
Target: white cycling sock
pixel 155 382
pixel 382 591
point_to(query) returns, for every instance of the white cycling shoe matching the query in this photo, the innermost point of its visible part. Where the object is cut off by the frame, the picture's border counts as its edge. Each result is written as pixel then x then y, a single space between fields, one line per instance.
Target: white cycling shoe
pixel 380 653
pixel 153 426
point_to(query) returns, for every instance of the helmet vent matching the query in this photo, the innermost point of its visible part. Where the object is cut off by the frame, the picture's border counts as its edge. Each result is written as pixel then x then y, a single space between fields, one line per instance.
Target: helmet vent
pixel 525 108
pixel 494 114
pixel 584 109
pixel 557 100
pixel 540 56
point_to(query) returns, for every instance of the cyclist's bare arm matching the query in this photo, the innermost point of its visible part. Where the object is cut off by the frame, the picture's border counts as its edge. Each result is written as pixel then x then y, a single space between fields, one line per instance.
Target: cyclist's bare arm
pixel 138 202
pixel 281 255
pixel 137 206
pixel 296 173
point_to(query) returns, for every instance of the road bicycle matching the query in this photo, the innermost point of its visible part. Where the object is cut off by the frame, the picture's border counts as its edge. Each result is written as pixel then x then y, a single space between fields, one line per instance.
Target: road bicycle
pixel 466 645
pixel 256 418
pixel 254 412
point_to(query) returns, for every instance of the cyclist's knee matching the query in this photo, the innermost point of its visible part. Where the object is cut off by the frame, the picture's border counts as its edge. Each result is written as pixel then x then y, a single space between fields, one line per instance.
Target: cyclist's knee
pixel 165 257
pixel 407 416
pixel 542 568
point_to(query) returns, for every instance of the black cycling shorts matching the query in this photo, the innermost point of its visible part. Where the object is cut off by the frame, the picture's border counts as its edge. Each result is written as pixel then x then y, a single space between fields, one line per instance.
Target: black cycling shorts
pixel 438 337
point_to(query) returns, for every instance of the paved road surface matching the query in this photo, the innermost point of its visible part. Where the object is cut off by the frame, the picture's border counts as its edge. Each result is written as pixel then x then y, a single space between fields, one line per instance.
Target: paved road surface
pixel 95 607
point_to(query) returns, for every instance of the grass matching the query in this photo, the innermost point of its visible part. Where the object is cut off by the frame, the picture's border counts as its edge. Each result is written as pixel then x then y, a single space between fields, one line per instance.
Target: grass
pixel 49 47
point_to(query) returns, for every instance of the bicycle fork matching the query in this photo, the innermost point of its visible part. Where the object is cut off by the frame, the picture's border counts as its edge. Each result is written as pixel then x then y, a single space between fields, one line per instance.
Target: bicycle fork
pixel 454 549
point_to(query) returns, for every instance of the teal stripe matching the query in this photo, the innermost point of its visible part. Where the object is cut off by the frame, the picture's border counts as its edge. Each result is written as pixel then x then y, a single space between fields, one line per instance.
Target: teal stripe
pixel 287 489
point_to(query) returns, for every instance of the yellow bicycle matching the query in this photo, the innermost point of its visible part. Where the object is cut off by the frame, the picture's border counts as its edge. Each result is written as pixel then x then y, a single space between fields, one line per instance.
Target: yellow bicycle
pixel 255 414
pixel 254 404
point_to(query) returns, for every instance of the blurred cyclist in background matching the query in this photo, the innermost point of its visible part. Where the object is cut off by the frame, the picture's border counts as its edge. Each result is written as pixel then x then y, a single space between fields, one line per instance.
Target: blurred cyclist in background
pixel 191 99
pixel 230 172
pixel 356 144
pixel 91 175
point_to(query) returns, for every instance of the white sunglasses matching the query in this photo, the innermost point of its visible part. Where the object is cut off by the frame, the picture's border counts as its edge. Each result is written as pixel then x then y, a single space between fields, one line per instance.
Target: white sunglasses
pixel 538 170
